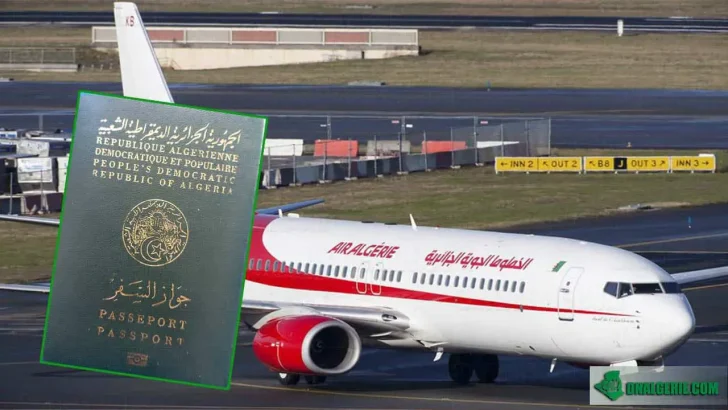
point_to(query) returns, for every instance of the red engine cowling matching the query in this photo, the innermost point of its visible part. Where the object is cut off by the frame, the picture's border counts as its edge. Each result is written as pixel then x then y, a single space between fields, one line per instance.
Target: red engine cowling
pixel 308 344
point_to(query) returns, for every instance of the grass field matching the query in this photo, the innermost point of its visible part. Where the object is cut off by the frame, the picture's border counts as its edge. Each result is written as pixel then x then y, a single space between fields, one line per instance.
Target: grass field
pixel 665 8
pixel 458 58
pixel 473 198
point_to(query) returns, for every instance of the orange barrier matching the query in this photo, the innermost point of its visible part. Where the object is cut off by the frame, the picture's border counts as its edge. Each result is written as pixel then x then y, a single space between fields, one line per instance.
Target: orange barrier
pixel 430 147
pixel 336 148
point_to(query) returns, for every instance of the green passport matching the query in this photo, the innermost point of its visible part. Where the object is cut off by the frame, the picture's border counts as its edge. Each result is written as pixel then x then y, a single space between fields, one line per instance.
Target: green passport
pixel 154 240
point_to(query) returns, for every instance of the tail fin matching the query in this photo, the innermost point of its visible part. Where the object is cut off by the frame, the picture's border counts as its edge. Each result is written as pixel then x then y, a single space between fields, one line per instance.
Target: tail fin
pixel 141 75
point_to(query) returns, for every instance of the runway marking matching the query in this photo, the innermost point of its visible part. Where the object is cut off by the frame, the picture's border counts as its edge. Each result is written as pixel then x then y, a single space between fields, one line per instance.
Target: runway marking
pixel 688 252
pixel 412 398
pixel 717 285
pixel 152 406
pixel 17 363
pixel 687 238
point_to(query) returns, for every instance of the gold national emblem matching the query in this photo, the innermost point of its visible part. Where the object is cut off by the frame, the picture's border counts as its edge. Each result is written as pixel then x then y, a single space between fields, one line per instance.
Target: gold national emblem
pixel 155 232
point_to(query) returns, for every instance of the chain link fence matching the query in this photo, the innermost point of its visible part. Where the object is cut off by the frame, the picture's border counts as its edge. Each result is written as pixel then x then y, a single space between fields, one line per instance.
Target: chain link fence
pixel 44 55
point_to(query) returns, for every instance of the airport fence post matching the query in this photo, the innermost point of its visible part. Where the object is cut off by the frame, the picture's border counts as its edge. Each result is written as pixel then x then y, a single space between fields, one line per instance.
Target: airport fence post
pixel 452 148
pixel 40 121
pixel 423 149
pixel 326 152
pixel 475 138
pixel 502 141
pixel 400 150
pixel 10 208
pixel 528 139
pixel 268 171
pixel 376 156
pixel 348 159
pixel 295 181
pixel 549 138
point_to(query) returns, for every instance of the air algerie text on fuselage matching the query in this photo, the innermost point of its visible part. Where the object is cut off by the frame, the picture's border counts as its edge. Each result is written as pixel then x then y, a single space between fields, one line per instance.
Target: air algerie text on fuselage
pixel 362 249
pixel 468 260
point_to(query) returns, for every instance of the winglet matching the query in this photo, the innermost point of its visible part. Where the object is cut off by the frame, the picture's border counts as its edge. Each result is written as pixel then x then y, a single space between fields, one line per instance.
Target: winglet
pixel 141 75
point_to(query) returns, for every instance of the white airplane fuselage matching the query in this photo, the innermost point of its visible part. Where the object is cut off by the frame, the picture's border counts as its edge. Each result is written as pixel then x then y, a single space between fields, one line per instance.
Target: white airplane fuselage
pixel 473 291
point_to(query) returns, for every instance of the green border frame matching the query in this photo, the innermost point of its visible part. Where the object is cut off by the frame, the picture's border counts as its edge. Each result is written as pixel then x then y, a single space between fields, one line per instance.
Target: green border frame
pixel 247 251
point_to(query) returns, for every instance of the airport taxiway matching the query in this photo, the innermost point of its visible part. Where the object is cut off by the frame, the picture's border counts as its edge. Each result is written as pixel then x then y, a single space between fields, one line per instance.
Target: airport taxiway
pixel 584 118
pixel 382 379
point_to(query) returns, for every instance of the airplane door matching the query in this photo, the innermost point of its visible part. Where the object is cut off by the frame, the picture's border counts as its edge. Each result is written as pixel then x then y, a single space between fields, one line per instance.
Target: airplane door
pixel 566 293
pixel 375 275
pixel 361 278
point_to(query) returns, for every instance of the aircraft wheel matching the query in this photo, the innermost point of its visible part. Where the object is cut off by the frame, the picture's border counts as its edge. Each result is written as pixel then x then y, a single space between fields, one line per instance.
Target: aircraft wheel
pixel 460 367
pixel 288 379
pixel 486 367
pixel 315 379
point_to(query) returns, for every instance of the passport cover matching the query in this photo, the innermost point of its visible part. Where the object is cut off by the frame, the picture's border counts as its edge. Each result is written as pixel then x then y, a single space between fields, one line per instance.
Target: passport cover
pixel 154 240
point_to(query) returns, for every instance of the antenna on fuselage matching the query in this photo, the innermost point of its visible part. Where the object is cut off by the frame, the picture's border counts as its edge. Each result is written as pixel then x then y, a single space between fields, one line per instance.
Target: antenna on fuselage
pixel 280 213
pixel 412 221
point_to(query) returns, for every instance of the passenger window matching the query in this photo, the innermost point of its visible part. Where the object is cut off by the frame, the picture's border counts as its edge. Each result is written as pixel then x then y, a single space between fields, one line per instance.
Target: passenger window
pixel 275 266
pixel 439 280
pixel 447 280
pixel 611 288
pixel 497 285
pixel 376 274
pixel 432 278
pixel 482 283
pixel 343 271
pixel 306 266
pixel 362 271
pixel 472 283
pixel 523 286
pixel 465 282
pixel 353 272
pixel 513 286
pixel 267 265
pixel 457 280
pixel 298 268
pixel 259 264
pixel 251 263
pixel 399 276
pixel 313 269
pixel 490 284
pixel 414 277
pixel 321 270
pixel 423 278
pixel 391 276
pixel 505 286
pixel 328 270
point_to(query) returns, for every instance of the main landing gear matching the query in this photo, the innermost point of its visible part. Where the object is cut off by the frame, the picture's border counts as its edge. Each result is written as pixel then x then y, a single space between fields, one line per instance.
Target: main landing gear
pixel 291 379
pixel 462 366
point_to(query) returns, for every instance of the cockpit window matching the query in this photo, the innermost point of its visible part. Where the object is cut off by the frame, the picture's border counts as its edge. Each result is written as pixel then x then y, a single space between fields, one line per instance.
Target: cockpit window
pixel 646 288
pixel 671 287
pixel 611 288
pixel 623 289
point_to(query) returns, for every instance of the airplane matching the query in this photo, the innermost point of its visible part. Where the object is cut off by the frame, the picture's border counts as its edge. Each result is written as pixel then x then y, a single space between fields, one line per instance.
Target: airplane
pixel 317 291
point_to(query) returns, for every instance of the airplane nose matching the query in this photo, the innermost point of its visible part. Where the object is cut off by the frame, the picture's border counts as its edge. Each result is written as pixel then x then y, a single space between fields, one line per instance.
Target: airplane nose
pixel 679 323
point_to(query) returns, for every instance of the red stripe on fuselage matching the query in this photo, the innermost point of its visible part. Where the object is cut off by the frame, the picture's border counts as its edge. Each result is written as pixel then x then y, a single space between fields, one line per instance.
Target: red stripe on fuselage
pixel 305 281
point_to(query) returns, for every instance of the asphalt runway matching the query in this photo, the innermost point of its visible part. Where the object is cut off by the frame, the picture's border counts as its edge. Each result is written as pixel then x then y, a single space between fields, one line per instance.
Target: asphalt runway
pixel 648 24
pixel 580 118
pixel 387 379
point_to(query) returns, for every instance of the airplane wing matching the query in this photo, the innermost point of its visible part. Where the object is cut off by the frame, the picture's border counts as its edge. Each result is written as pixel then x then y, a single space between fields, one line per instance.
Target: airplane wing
pixel 267 211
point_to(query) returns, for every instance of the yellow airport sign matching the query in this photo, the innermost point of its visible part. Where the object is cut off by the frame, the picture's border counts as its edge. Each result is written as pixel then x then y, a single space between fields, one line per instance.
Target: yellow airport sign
pixel 600 164
pixel 647 164
pixel 560 164
pixel 700 163
pixel 516 164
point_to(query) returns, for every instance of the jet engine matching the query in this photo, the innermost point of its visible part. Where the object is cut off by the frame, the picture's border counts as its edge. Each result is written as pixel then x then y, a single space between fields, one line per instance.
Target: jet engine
pixel 308 344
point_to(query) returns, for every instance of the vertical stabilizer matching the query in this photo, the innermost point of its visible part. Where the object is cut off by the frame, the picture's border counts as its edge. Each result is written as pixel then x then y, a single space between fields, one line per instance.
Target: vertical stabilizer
pixel 141 75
